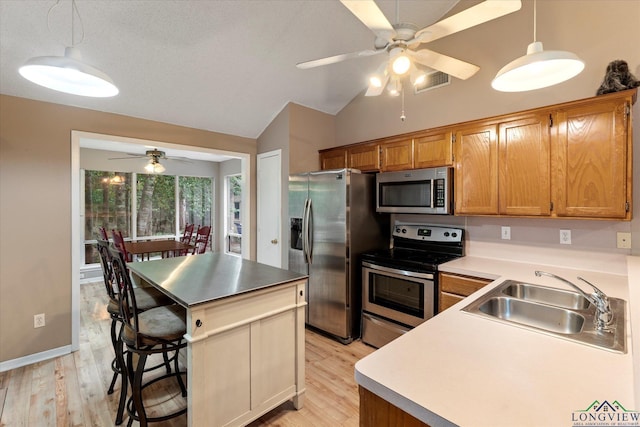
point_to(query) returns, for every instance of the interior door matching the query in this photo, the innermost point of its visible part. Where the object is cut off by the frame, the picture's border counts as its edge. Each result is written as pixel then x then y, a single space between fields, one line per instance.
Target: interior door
pixel 269 243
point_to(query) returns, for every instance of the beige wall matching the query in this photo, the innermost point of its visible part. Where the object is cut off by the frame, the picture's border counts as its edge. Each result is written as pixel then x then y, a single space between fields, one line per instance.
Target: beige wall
pixel 35 210
pixel 598 31
pixel 299 132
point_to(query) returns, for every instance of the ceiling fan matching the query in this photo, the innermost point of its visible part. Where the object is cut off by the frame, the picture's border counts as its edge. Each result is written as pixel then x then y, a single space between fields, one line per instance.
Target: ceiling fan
pixel 402 40
pixel 154 165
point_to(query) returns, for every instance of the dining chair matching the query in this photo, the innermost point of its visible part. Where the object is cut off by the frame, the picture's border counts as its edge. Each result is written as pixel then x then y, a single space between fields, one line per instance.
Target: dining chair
pixel 118 243
pixel 159 330
pixel 146 298
pixel 188 233
pixel 103 233
pixel 202 239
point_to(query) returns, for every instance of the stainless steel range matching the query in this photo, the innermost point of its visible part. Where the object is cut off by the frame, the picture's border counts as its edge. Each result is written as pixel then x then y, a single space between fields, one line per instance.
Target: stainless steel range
pixel 400 285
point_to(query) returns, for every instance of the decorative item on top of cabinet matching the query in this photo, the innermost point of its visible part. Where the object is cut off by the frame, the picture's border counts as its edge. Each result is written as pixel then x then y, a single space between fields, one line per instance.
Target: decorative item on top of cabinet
pixel 334 158
pixel 434 149
pixel 455 287
pixel 593 160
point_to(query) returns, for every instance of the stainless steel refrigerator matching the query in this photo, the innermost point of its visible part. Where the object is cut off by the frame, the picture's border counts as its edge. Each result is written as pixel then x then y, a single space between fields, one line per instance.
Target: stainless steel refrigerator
pixel 332 221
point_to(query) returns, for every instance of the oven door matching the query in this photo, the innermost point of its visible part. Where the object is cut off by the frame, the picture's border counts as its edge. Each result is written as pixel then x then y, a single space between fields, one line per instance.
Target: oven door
pixel 406 297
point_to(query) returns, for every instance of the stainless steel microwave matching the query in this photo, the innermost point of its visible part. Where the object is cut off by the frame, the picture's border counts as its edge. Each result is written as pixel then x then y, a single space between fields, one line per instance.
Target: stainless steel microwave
pixel 424 191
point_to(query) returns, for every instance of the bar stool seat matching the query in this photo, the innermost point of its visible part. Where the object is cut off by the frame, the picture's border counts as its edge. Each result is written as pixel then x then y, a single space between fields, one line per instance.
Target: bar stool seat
pixel 167 323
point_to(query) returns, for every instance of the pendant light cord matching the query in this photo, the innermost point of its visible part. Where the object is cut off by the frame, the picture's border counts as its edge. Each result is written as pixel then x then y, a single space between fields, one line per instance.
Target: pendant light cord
pixel 535 9
pixel 74 12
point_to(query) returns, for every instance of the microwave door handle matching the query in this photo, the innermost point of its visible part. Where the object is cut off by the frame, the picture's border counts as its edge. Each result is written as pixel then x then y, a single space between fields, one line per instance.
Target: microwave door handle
pixel 433 194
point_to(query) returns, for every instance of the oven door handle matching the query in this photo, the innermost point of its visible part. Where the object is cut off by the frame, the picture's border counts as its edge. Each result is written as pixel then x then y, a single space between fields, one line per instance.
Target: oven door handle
pixel 397 271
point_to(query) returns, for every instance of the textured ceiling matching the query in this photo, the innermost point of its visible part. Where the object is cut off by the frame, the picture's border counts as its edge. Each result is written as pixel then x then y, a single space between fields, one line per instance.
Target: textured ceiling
pixel 224 66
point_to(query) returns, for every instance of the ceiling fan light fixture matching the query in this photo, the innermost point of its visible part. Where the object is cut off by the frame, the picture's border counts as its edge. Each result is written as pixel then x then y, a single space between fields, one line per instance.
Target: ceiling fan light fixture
pixel 68 74
pixel 401 64
pixel 395 87
pixel 417 76
pixel 154 166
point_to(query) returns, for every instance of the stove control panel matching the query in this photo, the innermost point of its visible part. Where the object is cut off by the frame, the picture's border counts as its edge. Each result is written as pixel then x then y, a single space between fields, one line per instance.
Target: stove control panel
pixel 428 233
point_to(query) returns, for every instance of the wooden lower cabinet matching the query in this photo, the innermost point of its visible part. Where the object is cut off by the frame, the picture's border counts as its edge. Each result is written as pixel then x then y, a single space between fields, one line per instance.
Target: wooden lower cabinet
pixel 455 287
pixel 377 412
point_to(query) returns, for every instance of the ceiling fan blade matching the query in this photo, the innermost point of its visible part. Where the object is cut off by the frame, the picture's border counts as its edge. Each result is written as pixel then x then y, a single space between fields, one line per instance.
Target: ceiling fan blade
pixel 129 156
pixel 475 15
pixel 368 12
pixel 446 64
pixel 337 58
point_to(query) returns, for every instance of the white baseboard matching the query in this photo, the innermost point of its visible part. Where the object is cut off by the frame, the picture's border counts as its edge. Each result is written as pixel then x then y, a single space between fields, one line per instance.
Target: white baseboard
pixel 34 358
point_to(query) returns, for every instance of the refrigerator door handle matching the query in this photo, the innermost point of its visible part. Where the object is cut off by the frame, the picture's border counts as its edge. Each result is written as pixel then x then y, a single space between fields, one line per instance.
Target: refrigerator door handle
pixel 309 232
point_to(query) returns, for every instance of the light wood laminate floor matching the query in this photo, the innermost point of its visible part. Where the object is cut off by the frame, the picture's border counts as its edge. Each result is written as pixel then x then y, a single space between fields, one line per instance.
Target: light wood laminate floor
pixel 71 390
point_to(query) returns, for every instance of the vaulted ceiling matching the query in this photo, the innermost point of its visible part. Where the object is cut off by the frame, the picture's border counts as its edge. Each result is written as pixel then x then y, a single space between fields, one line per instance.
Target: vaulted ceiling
pixel 221 65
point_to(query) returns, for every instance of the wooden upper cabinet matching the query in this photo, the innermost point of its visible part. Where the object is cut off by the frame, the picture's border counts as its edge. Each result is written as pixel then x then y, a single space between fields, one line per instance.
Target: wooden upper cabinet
pixel 397 155
pixel 433 150
pixel 335 158
pixel 476 170
pixel 593 159
pixel 365 157
pixel 524 184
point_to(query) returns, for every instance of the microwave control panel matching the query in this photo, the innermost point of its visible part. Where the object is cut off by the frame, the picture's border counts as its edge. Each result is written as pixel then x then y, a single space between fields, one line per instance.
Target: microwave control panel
pixel 439 199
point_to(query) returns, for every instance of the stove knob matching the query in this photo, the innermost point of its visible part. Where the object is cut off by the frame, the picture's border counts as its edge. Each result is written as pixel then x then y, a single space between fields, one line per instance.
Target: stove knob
pixel 398 230
pixel 454 234
pixel 446 234
pixel 404 231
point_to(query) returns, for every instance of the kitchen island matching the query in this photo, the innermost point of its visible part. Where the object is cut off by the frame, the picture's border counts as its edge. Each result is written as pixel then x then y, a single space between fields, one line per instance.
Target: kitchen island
pixel 461 369
pixel 245 333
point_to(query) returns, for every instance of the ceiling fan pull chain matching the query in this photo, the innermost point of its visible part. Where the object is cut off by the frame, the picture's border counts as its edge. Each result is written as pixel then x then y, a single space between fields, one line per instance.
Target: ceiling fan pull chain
pixel 402 116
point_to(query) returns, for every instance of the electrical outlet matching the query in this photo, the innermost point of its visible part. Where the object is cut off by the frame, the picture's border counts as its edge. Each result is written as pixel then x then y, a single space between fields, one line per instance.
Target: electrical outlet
pixel 623 240
pixel 38 320
pixel 506 233
pixel 565 237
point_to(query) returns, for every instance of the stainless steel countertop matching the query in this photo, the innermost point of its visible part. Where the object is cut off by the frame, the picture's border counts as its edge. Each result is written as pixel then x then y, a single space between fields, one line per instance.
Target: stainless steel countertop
pixel 197 279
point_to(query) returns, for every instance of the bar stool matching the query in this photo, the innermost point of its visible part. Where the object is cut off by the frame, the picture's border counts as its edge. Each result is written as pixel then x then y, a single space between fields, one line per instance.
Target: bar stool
pixel 157 330
pixel 146 298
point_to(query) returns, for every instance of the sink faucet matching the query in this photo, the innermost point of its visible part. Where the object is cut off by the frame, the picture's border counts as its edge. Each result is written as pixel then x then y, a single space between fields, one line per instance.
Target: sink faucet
pixel 604 316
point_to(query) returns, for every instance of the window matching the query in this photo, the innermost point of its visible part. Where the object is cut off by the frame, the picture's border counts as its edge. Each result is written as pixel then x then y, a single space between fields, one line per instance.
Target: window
pixel 156 202
pixel 109 202
pixel 233 217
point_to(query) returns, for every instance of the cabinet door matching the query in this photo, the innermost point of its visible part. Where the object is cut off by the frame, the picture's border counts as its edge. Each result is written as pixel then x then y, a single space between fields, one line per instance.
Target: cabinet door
pixel 333 159
pixel 524 166
pixel 476 170
pixel 433 150
pixel 397 155
pixel 593 171
pixel 365 157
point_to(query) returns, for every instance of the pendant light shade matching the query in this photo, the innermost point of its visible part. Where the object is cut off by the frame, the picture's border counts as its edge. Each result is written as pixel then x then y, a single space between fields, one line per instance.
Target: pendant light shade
pixel 537 69
pixel 68 74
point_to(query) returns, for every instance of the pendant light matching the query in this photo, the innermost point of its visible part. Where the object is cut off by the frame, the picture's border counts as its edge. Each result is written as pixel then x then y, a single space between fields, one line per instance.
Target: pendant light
pixel 538 68
pixel 69 73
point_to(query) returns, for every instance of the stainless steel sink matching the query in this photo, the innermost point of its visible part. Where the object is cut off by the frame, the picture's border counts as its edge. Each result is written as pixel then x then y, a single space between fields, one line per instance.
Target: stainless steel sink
pixel 550 318
pixel 545 295
pixel 556 312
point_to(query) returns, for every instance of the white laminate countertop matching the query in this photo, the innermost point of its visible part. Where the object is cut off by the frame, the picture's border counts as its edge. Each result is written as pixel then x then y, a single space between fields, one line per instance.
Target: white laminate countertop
pixel 461 369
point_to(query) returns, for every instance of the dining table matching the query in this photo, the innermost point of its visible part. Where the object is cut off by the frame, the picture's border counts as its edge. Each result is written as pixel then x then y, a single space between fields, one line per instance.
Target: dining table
pixel 165 247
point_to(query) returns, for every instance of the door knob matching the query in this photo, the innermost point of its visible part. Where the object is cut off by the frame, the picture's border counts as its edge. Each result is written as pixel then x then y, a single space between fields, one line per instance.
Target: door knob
pixel 274 241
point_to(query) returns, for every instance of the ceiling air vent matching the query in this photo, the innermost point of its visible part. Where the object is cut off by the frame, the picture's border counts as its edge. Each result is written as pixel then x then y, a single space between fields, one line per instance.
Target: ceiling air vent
pixel 434 79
